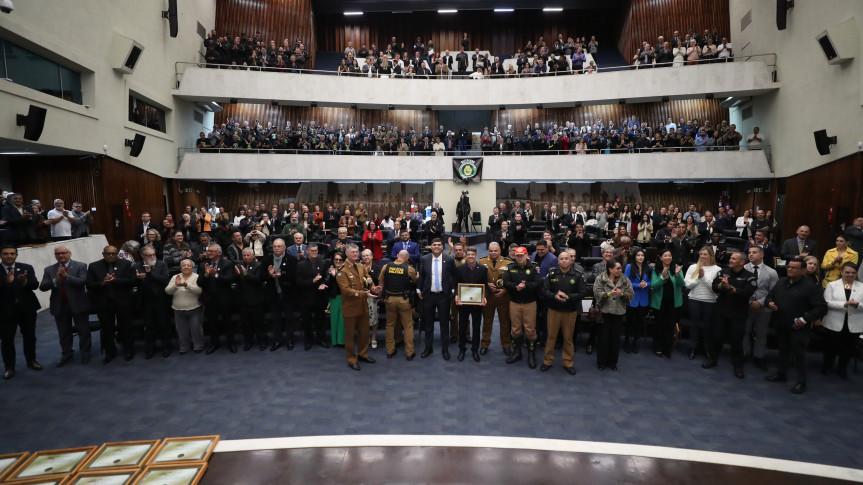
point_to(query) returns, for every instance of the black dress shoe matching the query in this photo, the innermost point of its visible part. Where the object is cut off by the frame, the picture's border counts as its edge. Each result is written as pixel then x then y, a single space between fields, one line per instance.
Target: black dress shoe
pixel 738 372
pixel 390 355
pixel 323 343
pixel 842 373
pixel 290 345
pixel 127 356
pixel 799 388
pixel 708 364
pixel 601 367
pixel 211 349
pixel 354 366
pixel 507 351
pixel 589 349
pixel 367 359
pixel 570 370
pixel 461 355
pixel 247 346
pixel 233 348
pixel 34 365
pixel 483 350
pixel 307 346
pixel 776 378
pixel 428 351
pixel 10 373
pixel 445 354
pixel 275 346
pixel 149 354
pixel 65 360
pixel 613 367
pixel 108 358
pixel 544 367
pixel 475 356
pixel 166 352
pixel 410 357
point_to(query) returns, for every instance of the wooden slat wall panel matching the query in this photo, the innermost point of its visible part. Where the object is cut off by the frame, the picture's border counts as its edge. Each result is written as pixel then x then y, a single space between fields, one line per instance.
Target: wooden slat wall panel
pixel 71 179
pixel 648 19
pixel 654 113
pixel 275 19
pixel 278 115
pixel 502 34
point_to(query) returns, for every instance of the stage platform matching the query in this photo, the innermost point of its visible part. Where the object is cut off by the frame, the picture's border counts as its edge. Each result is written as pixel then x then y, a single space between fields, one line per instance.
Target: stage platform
pixel 495 460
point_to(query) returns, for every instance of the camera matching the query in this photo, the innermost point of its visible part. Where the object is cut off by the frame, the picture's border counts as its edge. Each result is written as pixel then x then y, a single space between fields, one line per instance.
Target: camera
pixel 6 6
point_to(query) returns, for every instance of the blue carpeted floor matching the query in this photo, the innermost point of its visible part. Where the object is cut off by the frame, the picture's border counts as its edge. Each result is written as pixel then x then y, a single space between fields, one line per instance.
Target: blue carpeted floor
pixel 293 393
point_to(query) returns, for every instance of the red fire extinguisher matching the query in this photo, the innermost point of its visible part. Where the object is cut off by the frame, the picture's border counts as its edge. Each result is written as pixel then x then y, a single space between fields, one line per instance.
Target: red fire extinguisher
pixel 413 206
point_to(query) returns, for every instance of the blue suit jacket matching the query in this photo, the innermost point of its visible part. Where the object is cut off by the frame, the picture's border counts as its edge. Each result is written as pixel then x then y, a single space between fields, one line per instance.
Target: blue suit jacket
pixel 292 249
pixel 411 247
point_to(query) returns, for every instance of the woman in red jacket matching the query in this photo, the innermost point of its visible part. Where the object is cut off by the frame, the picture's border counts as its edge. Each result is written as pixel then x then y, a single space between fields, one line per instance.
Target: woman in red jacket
pixel 372 239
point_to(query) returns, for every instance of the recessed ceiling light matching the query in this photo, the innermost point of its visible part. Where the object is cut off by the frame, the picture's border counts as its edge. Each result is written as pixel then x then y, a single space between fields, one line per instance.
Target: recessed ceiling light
pixel 552 9
pixel 353 13
pixel 447 10
pixel 504 9
pixel 17 153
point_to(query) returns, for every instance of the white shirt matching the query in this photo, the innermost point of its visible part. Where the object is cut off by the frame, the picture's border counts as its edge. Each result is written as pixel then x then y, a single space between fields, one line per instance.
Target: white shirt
pixel 437 281
pixel 62 228
pixel 754 144
pixel 701 289
pixel 724 50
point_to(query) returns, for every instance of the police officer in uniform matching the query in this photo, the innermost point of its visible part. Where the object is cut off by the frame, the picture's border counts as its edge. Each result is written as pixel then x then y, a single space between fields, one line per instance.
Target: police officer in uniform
pixel 564 287
pixel 735 286
pixel 354 284
pixel 458 258
pixel 522 280
pixel 250 284
pixel 397 280
pixel 498 299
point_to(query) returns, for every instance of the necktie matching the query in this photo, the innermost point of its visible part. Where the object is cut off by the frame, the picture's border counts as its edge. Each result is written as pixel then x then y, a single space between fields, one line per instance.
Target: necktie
pixel 756 272
pixel 64 297
pixel 436 276
pixel 799 246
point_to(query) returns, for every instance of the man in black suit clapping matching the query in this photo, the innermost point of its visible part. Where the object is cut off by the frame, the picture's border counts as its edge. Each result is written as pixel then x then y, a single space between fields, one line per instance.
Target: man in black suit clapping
pixel 18 306
pixel 109 285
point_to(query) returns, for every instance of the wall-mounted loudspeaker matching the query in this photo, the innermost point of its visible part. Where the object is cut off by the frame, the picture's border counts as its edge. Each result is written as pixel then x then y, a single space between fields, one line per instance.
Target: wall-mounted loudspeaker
pixel 171 15
pixel 137 144
pixel 840 42
pixel 125 53
pixel 782 7
pixel 823 142
pixel 33 122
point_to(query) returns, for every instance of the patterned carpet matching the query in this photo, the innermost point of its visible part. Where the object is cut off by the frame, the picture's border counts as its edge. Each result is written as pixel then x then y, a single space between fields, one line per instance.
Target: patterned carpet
pixel 294 393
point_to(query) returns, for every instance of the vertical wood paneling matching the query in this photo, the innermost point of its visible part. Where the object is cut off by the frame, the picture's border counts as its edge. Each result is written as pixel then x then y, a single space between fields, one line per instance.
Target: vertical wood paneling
pixel 275 19
pixel 645 20
pixel 73 179
pixel 278 115
pixel 500 33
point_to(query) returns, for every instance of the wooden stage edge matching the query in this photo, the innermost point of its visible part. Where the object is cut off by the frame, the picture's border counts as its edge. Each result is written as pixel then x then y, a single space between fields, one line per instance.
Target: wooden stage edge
pixel 482 459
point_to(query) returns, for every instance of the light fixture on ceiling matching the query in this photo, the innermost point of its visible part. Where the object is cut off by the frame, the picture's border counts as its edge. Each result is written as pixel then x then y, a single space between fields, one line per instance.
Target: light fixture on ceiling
pixel 504 10
pixel 356 12
pixel 447 10
pixel 552 9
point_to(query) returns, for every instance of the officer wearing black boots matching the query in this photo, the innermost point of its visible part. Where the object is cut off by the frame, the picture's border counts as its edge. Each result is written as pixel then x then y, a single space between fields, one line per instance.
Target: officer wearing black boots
pixel 564 288
pixel 522 281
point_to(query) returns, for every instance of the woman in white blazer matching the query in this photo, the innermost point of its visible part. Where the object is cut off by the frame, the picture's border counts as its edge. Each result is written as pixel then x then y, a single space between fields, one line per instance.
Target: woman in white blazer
pixel 844 319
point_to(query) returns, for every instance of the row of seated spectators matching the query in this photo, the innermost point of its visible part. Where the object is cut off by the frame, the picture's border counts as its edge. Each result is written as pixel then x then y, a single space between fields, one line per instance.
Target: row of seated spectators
pixel 690 49
pixel 254 51
pixel 628 136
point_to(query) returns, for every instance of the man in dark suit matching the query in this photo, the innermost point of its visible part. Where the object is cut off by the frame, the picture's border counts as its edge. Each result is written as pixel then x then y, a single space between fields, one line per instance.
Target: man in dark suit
pixel 153 277
pixel 142 228
pixel 708 227
pixel 18 306
pixel 494 221
pixel 250 278
pixel 799 247
pixel 281 272
pixel 66 281
pixel 215 276
pixel 435 288
pixel 406 244
pixel 433 228
pixel 312 295
pixel 299 248
pixel 20 220
pixel 854 234
pixel 109 285
pixel 504 237
pixel 475 274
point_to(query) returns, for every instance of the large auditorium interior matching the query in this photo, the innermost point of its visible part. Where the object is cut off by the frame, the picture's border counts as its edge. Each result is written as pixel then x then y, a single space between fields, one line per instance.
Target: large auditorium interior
pixel 431 241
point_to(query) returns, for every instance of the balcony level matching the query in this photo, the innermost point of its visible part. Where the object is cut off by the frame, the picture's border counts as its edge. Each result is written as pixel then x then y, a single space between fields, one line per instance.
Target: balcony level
pixel 742 78
pixel 641 167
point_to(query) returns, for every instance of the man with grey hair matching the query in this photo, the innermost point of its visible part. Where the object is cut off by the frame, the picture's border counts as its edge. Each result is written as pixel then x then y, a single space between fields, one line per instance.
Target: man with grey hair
pixel 281 271
pixel 61 221
pixel 81 228
pixel 153 277
pixel 251 299
pixel 215 276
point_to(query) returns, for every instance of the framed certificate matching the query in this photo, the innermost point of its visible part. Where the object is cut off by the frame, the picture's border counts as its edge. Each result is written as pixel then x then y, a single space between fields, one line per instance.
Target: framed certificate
pixel 8 463
pixel 176 474
pixel 194 448
pixel 471 294
pixel 53 480
pixel 49 464
pixel 105 477
pixel 124 454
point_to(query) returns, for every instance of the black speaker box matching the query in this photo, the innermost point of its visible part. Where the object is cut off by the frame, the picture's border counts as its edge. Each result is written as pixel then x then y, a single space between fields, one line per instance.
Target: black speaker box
pixel 823 142
pixel 137 144
pixel 33 122
pixel 781 13
pixel 171 15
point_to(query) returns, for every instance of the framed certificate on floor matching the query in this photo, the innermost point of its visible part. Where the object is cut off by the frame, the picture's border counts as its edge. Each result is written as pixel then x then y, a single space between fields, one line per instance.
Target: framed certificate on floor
pixel 176 474
pixel 471 294
pixel 177 450
pixel 123 454
pixel 51 464
pixel 8 463
pixel 105 477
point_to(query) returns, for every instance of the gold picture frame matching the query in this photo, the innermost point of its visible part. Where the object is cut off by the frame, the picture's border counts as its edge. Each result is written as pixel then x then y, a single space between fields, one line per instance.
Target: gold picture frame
pixel 187 449
pixel 53 480
pixel 10 462
pixel 119 476
pixel 471 294
pixel 51 464
pixel 174 474
pixel 121 454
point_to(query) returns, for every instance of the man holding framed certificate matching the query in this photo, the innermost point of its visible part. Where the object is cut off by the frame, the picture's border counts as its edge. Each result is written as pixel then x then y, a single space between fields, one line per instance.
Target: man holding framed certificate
pixel 470 279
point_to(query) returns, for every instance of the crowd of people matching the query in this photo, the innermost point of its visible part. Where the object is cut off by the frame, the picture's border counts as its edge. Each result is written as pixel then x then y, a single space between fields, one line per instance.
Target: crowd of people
pixel 688 50
pixel 339 266
pixel 629 135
